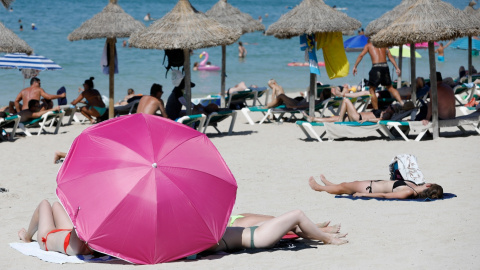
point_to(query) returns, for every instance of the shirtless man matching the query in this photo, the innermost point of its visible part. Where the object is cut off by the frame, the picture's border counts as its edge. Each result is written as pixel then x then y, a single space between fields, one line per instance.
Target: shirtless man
pixel 446 102
pixel 34 111
pixel 242 52
pixel 379 74
pixel 440 50
pixel 150 104
pixel 33 92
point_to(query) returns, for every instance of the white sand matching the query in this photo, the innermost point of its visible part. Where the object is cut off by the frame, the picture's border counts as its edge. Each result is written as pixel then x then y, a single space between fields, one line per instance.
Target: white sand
pixel 272 165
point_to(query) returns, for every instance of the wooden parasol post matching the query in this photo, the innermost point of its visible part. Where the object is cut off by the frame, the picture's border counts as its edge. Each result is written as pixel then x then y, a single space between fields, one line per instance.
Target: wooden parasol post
pixel 413 84
pixel 111 76
pixel 188 88
pixel 400 54
pixel 433 89
pixel 223 75
pixel 311 94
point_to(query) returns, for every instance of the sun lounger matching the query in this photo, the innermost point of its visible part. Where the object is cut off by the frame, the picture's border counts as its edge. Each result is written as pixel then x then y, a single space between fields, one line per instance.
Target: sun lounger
pixel 214 118
pixel 11 121
pixel 334 104
pixel 127 109
pixel 339 129
pixel 255 96
pixel 237 98
pixel 472 119
pixel 196 121
pixel 70 111
pixel 247 110
pixel 42 122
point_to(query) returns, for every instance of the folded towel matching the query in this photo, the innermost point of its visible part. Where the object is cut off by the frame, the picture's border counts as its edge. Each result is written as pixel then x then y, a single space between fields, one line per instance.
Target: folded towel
pixel 445 196
pixel 33 249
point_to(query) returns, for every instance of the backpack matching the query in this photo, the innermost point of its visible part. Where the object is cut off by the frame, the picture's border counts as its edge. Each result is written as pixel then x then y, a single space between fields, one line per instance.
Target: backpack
pixel 405 167
pixel 175 59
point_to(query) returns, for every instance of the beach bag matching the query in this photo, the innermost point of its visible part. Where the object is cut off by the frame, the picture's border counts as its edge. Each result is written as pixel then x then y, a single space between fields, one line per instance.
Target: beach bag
pixel 405 167
pixel 175 59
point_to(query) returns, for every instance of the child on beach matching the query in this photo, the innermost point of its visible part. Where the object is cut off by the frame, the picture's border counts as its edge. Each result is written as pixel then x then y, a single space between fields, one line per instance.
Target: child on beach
pixel 398 189
pixel 54 230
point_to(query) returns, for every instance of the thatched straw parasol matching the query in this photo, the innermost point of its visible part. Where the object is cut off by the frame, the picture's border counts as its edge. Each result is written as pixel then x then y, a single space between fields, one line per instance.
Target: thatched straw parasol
pixel 310 17
pixel 111 23
pixel 6 3
pixel 185 28
pixel 231 16
pixel 427 21
pixel 11 43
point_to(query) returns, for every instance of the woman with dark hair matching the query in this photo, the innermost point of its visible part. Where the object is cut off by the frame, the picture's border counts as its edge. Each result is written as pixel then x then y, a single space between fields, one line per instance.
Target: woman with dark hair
pixel 95 106
pixel 396 189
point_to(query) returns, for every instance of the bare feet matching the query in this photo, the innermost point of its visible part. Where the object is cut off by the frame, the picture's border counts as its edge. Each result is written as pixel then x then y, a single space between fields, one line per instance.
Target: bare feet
pixel 325 181
pixel 335 240
pixel 314 185
pixel 23 236
pixel 309 118
pixel 323 224
pixel 331 229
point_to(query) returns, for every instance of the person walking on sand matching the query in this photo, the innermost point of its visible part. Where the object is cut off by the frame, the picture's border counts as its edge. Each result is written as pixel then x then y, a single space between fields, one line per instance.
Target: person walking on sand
pixel 242 52
pixel 379 74
pixel 32 92
pixel 441 51
pixel 389 189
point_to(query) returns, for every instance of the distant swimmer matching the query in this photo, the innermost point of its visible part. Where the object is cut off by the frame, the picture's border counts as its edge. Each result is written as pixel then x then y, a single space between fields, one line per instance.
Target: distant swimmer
pixel 147 17
pixel 242 52
pixel 34 27
pixel 440 51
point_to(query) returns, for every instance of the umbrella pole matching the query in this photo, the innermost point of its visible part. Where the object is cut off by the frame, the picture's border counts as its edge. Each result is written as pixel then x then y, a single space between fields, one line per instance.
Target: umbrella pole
pixel 223 75
pixel 433 89
pixel 413 78
pixel 311 99
pixel 399 77
pixel 111 76
pixel 188 89
pixel 470 67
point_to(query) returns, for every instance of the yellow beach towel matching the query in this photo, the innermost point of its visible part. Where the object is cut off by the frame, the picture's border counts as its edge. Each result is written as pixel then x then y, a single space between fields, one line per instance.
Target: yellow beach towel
pixel 336 62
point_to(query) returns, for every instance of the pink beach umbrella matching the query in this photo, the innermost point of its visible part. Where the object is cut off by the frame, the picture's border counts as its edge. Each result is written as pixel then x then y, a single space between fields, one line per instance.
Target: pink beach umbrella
pixel 423 45
pixel 146 189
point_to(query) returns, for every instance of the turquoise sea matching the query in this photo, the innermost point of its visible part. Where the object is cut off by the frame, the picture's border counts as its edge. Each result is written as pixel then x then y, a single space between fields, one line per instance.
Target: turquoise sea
pixel 267 56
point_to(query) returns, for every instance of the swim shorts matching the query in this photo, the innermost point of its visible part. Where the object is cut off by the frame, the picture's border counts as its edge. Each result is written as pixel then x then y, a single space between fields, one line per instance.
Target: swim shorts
pixel 441 58
pixel 379 74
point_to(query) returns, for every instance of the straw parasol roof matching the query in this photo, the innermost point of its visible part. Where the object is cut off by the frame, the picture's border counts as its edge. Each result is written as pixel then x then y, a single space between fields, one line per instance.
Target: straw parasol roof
pixel 112 22
pixel 309 17
pixel 6 3
pixel 426 21
pixel 184 27
pixel 11 43
pixel 231 16
pixel 386 19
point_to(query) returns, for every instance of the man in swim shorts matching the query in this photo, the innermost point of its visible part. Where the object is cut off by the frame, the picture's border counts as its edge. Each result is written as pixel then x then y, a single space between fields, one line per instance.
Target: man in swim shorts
pixel 379 74
pixel 440 50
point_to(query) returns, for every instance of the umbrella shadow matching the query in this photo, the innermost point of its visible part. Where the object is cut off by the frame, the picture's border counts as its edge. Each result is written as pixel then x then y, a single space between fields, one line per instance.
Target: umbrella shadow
pixel 234 133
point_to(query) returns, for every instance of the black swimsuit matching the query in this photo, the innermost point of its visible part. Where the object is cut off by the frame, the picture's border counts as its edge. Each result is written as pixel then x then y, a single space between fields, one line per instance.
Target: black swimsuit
pixel 397 183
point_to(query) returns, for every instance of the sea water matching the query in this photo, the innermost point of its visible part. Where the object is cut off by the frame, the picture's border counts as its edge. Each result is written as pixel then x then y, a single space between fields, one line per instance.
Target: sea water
pixel 138 69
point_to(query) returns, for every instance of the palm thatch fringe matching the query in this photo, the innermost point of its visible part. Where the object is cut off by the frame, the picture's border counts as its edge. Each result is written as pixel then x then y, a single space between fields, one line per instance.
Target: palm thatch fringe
pixel 184 27
pixel 6 3
pixel 386 19
pixel 231 16
pixel 112 22
pixel 11 43
pixel 309 17
pixel 426 21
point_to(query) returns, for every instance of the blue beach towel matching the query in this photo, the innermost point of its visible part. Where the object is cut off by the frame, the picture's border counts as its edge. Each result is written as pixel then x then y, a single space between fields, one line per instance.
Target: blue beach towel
pixel 445 196
pixel 62 101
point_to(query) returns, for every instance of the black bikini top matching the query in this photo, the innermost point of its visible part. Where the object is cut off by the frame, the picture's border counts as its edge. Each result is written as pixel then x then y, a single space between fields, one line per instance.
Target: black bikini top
pixel 400 183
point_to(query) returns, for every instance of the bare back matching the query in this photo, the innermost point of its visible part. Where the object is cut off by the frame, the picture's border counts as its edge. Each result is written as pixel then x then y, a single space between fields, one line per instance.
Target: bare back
pixel 378 55
pixel 149 105
pixel 28 94
pixel 446 101
pixel 94 98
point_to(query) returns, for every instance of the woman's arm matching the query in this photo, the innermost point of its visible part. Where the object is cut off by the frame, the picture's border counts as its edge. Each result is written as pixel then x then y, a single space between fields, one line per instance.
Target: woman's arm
pixel 78 99
pixel 404 194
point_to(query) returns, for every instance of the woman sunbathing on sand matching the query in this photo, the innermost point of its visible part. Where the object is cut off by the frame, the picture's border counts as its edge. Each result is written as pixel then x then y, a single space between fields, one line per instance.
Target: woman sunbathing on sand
pixel 270 232
pixel 397 189
pixel 54 230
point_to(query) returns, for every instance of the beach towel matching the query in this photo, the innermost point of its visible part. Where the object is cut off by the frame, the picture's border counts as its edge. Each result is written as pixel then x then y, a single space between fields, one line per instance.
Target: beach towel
pixel 62 101
pixel 32 249
pixel 445 197
pixel 307 44
pixel 105 58
pixel 336 62
pixel 336 131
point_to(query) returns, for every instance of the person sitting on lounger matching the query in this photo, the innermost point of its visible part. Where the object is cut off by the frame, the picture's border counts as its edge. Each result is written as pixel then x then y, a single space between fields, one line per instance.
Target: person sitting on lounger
pixel 32 92
pixel 270 232
pixel 128 98
pixel 389 189
pixel 54 230
pixel 446 103
pixel 95 106
pixel 34 111
pixel 151 104
pixel 279 98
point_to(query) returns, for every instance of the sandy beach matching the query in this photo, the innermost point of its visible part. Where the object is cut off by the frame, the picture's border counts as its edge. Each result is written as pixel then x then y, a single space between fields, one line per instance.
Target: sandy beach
pixel 272 164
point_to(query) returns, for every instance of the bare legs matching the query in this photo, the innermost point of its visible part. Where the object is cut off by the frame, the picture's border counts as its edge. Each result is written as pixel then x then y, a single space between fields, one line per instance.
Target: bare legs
pixel 282 99
pixel 58 155
pixel 338 189
pixel 373 97
pixel 395 94
pixel 272 231
pixel 88 113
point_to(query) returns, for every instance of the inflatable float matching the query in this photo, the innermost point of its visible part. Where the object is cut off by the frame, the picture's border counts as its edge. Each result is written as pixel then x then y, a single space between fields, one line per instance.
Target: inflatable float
pixel 300 64
pixel 203 65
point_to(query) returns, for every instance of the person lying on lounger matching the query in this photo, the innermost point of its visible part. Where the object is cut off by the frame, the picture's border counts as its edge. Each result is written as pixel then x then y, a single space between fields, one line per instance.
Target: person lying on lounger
pixel 270 232
pixel 241 86
pixel 279 98
pixel 54 230
pixel 34 111
pixel 389 189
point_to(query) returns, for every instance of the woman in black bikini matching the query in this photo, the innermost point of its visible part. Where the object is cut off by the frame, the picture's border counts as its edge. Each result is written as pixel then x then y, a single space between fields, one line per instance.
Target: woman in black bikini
pixel 270 232
pixel 398 189
pixel 54 230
